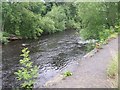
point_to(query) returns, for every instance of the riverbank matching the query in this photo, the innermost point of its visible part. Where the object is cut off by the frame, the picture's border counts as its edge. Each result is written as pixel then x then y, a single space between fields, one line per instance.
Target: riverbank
pixel 91 71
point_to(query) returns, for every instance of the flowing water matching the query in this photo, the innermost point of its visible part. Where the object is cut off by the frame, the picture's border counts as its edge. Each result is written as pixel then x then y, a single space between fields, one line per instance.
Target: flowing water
pixel 52 53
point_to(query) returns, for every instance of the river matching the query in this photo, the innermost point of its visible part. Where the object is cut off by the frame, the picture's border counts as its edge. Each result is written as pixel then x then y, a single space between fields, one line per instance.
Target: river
pixel 52 53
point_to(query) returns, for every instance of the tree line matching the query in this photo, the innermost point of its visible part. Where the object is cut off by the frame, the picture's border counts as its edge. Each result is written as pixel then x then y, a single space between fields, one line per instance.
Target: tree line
pixel 32 19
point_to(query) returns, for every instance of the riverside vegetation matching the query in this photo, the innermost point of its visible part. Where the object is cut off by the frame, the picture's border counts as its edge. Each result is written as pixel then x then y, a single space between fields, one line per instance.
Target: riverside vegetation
pixel 33 19
pixel 112 71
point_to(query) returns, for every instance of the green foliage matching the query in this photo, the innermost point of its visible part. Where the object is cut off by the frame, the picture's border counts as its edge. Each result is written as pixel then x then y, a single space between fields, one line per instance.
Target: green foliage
pixel 67 73
pixel 90 47
pixel 92 20
pixel 114 35
pixel 112 69
pixel 57 14
pixel 20 19
pixel 30 27
pixel 73 20
pixel 47 27
pixel 31 19
pixel 96 17
pixel 107 34
pixel 104 34
pixel 71 24
pixel 4 37
pixel 28 72
pixel 38 8
pixel 117 28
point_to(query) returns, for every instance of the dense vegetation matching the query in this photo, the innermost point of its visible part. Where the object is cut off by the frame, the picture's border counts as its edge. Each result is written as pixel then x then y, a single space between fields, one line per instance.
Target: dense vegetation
pixel 32 19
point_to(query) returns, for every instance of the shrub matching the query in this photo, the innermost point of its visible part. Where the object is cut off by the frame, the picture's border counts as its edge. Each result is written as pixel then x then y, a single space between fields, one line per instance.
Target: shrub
pixel 104 34
pixel 28 72
pixel 67 73
pixel 117 28
pixel 4 37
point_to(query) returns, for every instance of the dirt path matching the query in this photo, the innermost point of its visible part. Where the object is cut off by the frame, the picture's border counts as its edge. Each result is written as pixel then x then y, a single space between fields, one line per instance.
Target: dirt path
pixel 91 72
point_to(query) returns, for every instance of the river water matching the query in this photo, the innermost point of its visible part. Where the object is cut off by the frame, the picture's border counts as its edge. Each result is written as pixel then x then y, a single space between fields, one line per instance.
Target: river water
pixel 52 53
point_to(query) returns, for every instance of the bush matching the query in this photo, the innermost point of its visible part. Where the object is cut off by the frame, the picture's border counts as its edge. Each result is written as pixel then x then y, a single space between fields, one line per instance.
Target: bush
pixel 4 37
pixel 28 72
pixel 104 34
pixel 117 28
pixel 67 73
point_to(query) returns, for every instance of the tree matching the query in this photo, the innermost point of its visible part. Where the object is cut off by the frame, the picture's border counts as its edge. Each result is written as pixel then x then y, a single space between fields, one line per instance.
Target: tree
pixel 94 19
pixel 19 20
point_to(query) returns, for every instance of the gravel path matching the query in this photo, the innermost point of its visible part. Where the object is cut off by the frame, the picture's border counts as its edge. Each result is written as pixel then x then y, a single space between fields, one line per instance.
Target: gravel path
pixel 91 72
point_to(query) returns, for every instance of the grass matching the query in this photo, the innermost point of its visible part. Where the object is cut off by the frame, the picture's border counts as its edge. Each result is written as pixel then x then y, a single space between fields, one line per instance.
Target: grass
pixel 112 71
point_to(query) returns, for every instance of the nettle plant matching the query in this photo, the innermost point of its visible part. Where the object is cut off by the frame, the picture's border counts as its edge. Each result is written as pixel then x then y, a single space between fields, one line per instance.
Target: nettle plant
pixel 28 72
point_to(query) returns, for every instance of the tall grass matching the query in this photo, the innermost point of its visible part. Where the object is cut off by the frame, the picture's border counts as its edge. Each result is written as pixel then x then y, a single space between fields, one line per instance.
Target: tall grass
pixel 112 69
pixel 112 72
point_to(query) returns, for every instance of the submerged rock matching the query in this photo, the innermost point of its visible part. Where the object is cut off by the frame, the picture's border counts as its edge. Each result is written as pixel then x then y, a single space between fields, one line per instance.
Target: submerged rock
pixel 25 44
pixel 13 37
